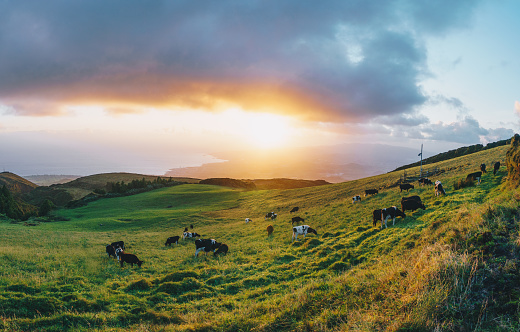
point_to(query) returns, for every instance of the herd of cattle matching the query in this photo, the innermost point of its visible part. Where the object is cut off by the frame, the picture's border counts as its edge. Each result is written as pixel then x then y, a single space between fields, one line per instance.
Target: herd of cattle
pixel 411 203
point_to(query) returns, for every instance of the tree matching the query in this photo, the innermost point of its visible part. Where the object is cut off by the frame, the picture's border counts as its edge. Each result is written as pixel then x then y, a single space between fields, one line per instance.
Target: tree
pixel 46 207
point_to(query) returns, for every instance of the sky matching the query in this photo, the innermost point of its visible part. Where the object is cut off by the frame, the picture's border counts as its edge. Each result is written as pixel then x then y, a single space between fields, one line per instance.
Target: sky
pixel 146 86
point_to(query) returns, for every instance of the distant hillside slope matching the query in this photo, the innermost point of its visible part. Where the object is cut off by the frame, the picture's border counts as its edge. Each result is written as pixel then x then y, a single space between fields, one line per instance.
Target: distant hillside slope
pixel 463 151
pixel 85 185
pixel 16 184
pixel 48 180
pixel 287 183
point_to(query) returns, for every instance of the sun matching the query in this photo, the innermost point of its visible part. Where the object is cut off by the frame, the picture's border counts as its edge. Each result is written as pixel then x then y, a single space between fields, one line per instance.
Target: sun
pixel 264 130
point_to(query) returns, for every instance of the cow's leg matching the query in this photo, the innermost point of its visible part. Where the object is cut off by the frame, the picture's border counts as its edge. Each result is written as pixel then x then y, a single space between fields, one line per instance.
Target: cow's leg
pixel 198 250
pixel 393 222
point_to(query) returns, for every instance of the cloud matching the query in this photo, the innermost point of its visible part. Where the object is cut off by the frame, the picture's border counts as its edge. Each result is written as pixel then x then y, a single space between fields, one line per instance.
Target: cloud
pixel 346 61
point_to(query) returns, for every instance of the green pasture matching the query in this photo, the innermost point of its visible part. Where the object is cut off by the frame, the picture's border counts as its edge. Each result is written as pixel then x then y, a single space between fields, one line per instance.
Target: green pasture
pixel 57 276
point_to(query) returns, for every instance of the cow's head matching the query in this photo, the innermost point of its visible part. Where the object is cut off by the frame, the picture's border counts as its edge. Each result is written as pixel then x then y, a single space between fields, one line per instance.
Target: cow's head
pixel 311 230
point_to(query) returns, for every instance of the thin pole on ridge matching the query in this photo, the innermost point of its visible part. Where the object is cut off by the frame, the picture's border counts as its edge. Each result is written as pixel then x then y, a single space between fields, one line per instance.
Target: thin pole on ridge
pixel 420 154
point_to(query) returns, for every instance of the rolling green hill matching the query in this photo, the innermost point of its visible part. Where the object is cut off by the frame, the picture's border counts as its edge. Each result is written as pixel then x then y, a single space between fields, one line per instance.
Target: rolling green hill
pixel 453 266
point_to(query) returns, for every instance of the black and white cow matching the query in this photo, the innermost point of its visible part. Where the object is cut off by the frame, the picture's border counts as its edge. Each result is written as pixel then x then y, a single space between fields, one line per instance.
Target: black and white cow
pixel 118 244
pixel 188 235
pixel 130 259
pixel 425 181
pixel 273 216
pixel 475 176
pixel 173 239
pixel 222 249
pixel 119 251
pixel 297 219
pixel 371 192
pixel 411 204
pixel 356 198
pixel 111 251
pixel 294 209
pixel 303 229
pixel 483 168
pixel 391 212
pixel 207 245
pixel 269 215
pixel 405 186
pixel 496 167
pixel 439 189
pixel 248 220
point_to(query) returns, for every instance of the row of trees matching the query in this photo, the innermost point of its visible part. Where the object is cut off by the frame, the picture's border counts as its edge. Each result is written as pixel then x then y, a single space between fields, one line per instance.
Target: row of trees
pixel 123 188
pixel 17 209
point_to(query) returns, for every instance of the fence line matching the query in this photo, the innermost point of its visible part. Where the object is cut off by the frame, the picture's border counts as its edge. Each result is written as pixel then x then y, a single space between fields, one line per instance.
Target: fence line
pixel 416 175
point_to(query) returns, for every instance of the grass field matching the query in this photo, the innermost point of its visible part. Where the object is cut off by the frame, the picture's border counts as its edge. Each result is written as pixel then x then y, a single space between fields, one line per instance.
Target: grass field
pixel 429 271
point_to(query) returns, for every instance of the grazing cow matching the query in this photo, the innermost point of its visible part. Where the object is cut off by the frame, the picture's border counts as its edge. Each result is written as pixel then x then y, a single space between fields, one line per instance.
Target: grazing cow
pixel 415 198
pixel 268 215
pixel 130 259
pixel 356 198
pixel 425 181
pixel 474 176
pixel 391 212
pixel 119 244
pixel 207 245
pixel 294 209
pixel 191 226
pixel 270 230
pixel 405 186
pixel 411 204
pixel 273 216
pixel 111 251
pixel 439 189
pixel 170 240
pixel 377 216
pixel 303 229
pixel 248 220
pixel 222 249
pixel 496 167
pixel 297 219
pixel 371 192
pixel 483 168
pixel 189 235
pixel 118 252
pixel 185 229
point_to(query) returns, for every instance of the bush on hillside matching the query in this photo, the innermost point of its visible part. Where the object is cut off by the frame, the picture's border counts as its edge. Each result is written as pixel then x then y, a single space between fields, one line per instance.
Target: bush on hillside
pixel 513 161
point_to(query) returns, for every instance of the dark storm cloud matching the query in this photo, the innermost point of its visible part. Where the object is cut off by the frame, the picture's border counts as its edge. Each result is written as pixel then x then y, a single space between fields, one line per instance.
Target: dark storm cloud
pixel 333 61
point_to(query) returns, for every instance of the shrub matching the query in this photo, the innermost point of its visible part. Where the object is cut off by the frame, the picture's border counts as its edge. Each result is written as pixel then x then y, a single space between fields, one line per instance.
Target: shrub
pixel 463 183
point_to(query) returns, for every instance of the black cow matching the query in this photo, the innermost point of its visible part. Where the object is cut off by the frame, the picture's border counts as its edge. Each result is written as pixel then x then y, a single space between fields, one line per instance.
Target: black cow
pixel 371 192
pixel 439 189
pixel 173 239
pixel 111 251
pixel 405 186
pixel 377 216
pixel 294 209
pixel 222 249
pixel 496 167
pixel 415 198
pixel 130 259
pixel 424 181
pixel 207 245
pixel 483 168
pixel 118 244
pixel 391 212
pixel 296 219
pixel 474 176
pixel 412 205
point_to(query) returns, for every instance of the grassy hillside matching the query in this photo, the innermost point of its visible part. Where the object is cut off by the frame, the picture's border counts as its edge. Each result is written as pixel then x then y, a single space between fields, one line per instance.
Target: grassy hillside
pixel 16 184
pixel 453 266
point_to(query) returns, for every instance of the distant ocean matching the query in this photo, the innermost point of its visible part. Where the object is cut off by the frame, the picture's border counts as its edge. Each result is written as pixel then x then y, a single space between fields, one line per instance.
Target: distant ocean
pixel 90 166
